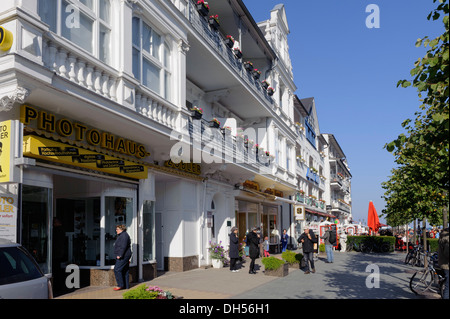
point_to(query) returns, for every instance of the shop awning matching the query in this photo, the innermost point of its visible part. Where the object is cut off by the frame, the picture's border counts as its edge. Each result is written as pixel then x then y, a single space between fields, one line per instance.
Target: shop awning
pixel 319 213
pixel 39 147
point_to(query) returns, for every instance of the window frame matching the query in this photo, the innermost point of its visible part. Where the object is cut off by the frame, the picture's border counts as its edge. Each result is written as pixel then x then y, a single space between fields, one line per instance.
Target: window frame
pixel 94 15
pixel 162 62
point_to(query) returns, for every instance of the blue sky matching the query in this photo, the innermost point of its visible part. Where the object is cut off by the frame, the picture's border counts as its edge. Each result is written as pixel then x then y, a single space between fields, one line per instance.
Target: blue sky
pixel 352 72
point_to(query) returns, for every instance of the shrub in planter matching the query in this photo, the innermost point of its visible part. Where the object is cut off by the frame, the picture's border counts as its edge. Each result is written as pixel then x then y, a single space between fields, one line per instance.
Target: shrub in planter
pixel 322 248
pixel 275 267
pixel 144 292
pixel 289 257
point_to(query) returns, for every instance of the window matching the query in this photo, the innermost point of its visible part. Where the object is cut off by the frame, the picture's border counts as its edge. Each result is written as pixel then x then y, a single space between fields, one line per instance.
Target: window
pixel 151 58
pixel 86 23
pixel 148 230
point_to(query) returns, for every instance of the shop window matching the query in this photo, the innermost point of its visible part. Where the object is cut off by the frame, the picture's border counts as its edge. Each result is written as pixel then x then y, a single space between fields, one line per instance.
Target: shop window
pixel 86 23
pixel 151 58
pixel 36 208
pixel 118 211
pixel 148 234
pixel 79 242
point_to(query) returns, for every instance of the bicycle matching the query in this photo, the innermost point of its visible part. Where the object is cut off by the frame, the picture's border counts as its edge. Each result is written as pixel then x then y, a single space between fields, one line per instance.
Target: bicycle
pixel 414 257
pixel 428 279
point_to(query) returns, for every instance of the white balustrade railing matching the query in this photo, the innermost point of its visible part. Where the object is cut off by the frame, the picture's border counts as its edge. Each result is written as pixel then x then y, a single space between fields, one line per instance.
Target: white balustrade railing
pixel 97 77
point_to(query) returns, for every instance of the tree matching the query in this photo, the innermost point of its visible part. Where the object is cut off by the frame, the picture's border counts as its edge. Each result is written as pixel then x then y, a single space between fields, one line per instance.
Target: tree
pixel 419 187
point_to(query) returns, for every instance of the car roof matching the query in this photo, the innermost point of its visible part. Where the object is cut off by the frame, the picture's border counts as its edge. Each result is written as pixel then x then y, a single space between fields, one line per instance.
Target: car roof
pixel 7 242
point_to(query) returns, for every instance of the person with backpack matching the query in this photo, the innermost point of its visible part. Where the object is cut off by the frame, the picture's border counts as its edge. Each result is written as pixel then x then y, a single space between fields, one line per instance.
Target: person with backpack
pixel 330 240
pixel 308 239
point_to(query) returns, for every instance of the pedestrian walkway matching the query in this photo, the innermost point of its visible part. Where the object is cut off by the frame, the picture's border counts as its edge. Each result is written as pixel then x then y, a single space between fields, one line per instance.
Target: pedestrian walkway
pixel 346 278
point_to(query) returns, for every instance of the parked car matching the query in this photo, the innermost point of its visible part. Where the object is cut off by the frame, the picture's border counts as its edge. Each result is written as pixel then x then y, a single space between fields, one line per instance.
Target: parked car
pixel 20 275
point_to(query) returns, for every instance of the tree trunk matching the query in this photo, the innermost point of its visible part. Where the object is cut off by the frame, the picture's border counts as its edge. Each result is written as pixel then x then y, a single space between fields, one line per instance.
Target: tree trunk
pixel 425 243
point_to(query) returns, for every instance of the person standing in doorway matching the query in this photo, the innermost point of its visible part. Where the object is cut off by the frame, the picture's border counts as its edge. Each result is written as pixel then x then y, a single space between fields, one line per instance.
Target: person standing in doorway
pixel 253 242
pixel 284 240
pixel 234 249
pixel 122 252
pixel 307 239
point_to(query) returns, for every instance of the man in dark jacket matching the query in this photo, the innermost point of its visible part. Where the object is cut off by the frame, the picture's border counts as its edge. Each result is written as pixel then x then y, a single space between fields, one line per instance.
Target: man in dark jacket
pixel 122 252
pixel 307 239
pixel 253 243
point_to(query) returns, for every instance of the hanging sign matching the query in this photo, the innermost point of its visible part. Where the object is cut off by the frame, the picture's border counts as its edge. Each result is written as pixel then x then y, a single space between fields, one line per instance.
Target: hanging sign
pixel 6 39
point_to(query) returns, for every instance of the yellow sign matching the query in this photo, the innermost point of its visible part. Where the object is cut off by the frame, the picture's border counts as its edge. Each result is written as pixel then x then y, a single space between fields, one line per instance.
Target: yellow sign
pixel 299 212
pixel 48 122
pixel 39 147
pixel 186 167
pixel 6 39
pixel 5 152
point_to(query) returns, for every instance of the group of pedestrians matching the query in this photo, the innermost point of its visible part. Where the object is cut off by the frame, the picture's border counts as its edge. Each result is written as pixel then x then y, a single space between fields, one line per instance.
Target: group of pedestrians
pixel 308 239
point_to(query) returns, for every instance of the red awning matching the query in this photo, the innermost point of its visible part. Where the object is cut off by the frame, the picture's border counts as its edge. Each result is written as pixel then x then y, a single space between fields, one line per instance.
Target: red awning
pixel 319 213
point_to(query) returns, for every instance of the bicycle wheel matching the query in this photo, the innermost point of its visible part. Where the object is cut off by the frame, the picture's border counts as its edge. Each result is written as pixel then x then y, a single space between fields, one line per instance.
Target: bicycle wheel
pixel 408 257
pixel 420 281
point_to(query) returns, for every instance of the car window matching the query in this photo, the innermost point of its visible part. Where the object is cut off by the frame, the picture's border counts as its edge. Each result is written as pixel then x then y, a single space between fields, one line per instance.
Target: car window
pixel 16 266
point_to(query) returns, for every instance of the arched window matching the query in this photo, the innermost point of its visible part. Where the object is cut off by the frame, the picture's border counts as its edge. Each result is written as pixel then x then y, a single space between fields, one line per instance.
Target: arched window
pixel 151 58
pixel 86 23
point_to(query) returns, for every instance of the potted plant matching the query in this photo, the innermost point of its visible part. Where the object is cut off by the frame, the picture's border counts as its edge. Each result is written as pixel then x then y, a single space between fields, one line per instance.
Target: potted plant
pixel 217 254
pixel 144 292
pixel 196 112
pixel 248 66
pixel 202 7
pixel 215 123
pixel 292 259
pixel 229 41
pixel 265 84
pixel 237 53
pixel 256 74
pixel 275 267
pixel 270 91
pixel 214 21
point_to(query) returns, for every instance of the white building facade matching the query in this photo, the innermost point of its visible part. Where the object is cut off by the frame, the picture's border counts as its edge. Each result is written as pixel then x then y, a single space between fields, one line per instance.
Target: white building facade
pixel 98 101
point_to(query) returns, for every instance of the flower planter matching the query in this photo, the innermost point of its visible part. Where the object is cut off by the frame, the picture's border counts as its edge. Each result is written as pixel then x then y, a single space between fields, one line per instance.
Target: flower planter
pixel 214 124
pixel 217 263
pixel 256 74
pixel 237 53
pixel 280 272
pixel 202 9
pixel 196 115
pixel 229 42
pixel 248 66
pixel 270 91
pixel 213 24
pixel 264 85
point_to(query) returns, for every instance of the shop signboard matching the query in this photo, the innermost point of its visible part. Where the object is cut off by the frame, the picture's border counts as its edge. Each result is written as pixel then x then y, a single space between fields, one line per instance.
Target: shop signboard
pixel 39 147
pixel 8 217
pixel 5 152
pixel 299 212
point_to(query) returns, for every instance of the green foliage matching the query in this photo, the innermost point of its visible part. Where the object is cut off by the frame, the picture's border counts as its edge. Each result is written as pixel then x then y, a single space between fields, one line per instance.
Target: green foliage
pixel 418 187
pixel 433 244
pixel 291 257
pixel 272 263
pixel 351 240
pixel 140 292
pixel 322 248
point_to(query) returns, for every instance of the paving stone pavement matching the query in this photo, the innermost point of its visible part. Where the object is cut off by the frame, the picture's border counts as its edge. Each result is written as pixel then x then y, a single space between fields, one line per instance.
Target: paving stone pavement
pixel 347 278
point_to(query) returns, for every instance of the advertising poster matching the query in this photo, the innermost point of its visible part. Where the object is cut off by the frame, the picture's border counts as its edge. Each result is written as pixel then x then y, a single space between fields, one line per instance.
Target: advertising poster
pixel 8 216
pixel 5 151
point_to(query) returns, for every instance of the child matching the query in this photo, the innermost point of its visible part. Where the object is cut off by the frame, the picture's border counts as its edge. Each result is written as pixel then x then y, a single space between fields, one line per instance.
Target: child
pixel 266 247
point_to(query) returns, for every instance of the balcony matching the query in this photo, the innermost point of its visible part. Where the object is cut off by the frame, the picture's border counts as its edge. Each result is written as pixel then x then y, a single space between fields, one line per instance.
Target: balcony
pixel 214 67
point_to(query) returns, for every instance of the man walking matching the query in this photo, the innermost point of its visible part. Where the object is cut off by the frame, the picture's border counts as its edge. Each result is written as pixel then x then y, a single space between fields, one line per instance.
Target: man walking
pixel 308 238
